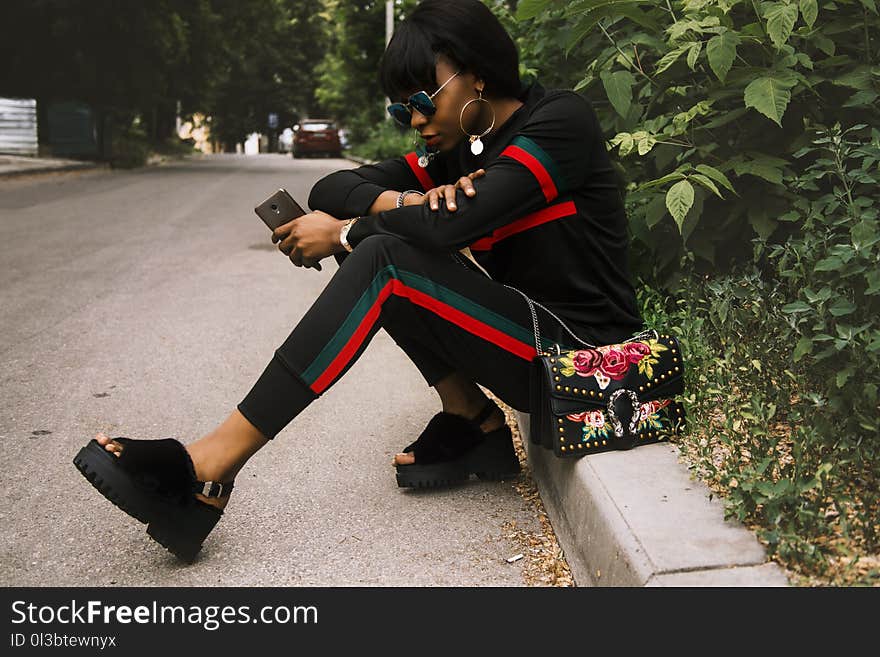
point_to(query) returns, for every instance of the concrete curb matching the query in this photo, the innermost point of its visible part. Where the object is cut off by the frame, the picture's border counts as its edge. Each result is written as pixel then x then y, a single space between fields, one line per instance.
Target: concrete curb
pixel 636 518
pixel 47 166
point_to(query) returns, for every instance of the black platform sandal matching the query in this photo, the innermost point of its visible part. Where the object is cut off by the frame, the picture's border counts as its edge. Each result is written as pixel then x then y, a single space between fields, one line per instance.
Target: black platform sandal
pixel 451 448
pixel 154 481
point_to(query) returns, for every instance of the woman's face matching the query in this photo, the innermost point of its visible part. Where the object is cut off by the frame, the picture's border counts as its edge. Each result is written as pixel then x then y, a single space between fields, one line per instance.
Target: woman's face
pixel 442 131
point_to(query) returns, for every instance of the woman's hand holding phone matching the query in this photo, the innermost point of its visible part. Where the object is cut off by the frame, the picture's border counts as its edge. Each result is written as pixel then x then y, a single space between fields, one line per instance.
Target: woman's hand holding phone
pixel 309 238
pixel 280 209
pixel 315 235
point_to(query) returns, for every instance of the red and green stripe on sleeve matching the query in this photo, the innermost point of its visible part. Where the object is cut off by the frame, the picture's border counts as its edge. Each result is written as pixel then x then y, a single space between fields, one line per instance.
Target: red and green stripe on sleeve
pixel 535 159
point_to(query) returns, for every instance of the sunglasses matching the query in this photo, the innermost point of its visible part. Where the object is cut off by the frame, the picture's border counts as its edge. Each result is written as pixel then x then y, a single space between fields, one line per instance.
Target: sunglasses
pixel 420 101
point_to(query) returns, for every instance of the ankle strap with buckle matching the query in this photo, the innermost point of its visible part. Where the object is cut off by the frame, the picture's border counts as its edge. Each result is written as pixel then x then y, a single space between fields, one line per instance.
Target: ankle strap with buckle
pixel 213 488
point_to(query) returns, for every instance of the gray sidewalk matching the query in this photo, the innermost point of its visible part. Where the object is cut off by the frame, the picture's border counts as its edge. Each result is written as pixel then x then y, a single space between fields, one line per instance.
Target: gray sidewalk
pixel 18 165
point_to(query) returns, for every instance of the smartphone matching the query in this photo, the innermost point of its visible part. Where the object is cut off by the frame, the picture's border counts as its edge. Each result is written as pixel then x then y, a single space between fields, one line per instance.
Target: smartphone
pixel 277 210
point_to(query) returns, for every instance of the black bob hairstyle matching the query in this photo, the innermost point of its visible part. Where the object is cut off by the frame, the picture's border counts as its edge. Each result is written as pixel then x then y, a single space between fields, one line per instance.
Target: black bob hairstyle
pixel 466 32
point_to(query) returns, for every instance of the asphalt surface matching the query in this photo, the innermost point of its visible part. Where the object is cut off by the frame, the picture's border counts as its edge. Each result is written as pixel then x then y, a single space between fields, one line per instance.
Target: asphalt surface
pixel 145 304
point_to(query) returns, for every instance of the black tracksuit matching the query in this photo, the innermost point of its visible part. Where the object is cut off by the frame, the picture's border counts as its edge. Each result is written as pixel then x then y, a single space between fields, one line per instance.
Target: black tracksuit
pixel 546 218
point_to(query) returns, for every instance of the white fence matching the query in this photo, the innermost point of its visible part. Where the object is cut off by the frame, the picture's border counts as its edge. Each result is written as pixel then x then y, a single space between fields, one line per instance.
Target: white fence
pixel 18 126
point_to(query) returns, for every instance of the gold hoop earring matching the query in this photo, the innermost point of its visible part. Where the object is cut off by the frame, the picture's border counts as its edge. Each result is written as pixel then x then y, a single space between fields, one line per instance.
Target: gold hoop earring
pixel 476 144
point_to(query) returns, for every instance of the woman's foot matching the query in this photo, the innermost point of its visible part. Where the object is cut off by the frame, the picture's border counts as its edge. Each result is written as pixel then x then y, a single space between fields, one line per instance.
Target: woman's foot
pixel 496 420
pixel 203 472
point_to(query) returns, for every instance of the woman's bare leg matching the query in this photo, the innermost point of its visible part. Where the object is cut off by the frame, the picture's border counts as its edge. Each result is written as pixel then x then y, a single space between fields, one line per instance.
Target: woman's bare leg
pixel 222 453
pixel 217 456
pixel 460 396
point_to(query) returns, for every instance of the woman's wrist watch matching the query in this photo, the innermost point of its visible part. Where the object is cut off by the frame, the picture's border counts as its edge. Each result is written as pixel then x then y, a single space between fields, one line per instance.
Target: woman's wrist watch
pixel 402 196
pixel 343 234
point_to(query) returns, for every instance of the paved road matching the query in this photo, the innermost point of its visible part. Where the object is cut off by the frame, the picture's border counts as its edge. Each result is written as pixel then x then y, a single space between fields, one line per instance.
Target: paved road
pixel 145 304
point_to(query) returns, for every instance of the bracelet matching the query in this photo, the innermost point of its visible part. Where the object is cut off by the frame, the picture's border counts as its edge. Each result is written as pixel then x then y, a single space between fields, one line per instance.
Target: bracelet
pixel 343 234
pixel 403 195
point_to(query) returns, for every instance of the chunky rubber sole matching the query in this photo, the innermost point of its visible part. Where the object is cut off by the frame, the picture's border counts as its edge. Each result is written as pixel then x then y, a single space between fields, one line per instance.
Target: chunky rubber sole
pixel 179 527
pixel 494 459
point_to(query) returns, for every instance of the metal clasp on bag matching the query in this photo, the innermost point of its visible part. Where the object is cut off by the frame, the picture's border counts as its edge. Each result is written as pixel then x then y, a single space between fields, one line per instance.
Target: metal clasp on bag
pixel 612 414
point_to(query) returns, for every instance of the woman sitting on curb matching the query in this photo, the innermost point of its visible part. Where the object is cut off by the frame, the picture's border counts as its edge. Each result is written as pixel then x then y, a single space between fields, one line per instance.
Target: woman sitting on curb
pixel 514 181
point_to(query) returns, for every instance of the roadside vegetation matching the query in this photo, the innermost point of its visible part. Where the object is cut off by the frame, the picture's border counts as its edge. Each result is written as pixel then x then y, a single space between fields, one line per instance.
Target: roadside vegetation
pixel 384 140
pixel 746 137
pixel 139 65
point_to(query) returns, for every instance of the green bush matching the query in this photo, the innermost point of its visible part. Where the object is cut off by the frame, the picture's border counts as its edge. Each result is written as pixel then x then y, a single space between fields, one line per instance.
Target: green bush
pixel 130 149
pixel 830 268
pixel 175 147
pixel 385 140
pixel 707 101
pixel 755 238
pixel 784 364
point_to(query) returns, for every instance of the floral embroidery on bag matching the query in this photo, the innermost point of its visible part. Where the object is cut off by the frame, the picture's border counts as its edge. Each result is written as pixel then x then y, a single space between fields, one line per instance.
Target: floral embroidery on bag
pixel 649 414
pixel 612 362
pixel 596 424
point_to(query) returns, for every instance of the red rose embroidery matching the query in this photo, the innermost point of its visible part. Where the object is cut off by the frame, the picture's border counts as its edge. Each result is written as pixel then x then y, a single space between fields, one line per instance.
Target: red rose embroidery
pixel 587 361
pixel 615 364
pixel 595 419
pixel 635 351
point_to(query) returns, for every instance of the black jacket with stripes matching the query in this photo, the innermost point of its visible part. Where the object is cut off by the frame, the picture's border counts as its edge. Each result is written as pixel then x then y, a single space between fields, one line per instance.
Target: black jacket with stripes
pixel 547 217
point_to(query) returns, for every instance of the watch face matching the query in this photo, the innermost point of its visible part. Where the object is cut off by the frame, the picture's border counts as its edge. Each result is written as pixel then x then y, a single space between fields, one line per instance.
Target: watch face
pixel 343 236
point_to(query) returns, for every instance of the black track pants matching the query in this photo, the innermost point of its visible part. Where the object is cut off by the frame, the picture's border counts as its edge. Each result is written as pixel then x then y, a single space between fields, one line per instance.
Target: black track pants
pixel 446 316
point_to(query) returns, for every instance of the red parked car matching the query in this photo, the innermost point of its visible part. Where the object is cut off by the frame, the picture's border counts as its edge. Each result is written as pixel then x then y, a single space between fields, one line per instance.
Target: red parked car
pixel 316 136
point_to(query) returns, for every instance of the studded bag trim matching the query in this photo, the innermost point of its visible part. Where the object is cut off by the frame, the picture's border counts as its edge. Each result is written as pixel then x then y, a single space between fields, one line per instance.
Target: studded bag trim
pixel 608 397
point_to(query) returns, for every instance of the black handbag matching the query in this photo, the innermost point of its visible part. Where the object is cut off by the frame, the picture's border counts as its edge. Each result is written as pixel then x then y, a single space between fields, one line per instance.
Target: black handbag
pixel 607 397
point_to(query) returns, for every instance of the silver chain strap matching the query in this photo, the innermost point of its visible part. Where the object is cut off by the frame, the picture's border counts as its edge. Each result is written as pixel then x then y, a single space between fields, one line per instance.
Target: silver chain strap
pixel 537 328
pixel 532 305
